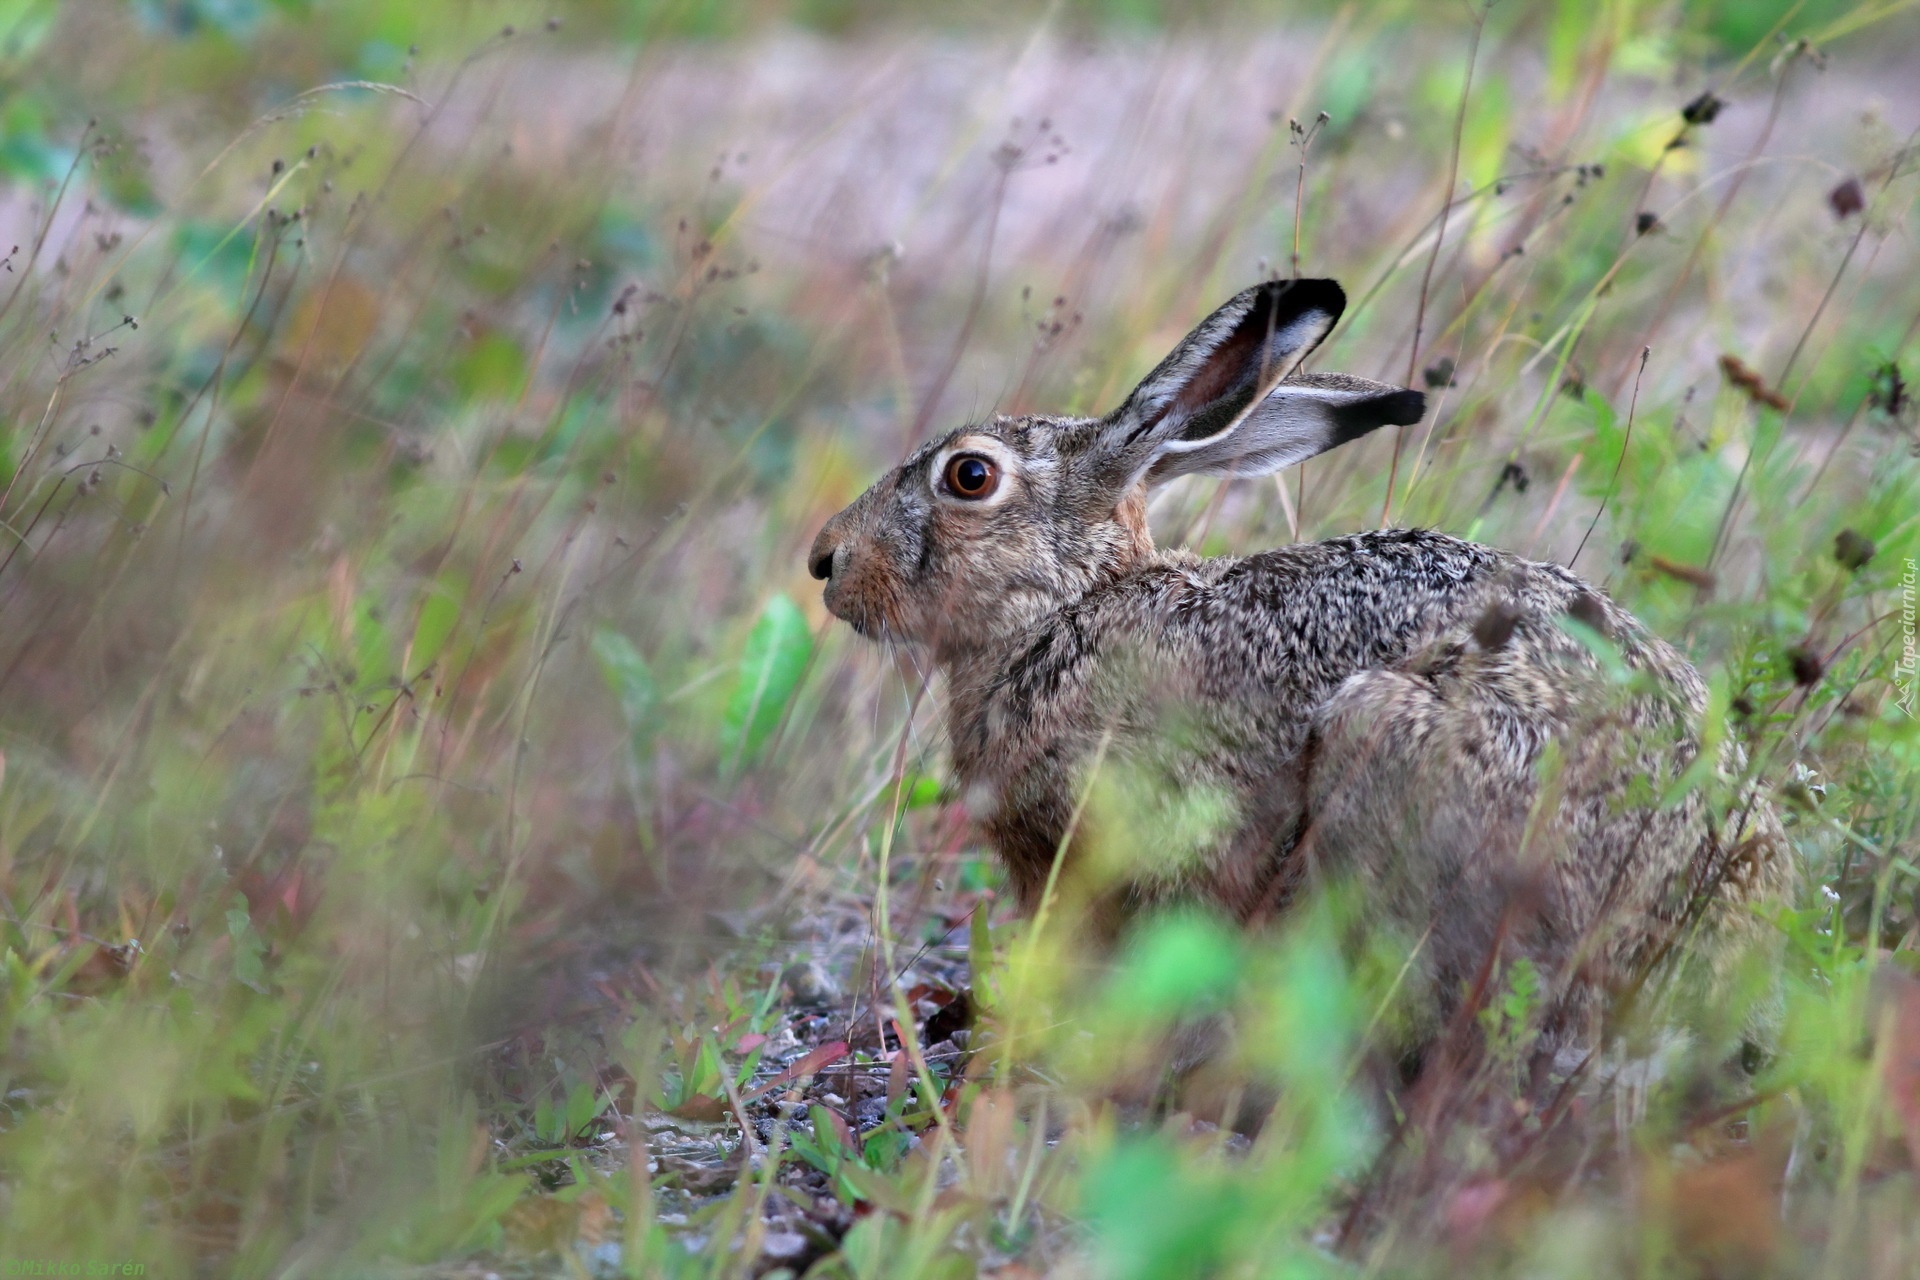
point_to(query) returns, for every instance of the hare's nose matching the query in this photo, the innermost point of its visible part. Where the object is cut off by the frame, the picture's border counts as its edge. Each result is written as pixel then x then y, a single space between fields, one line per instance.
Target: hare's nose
pixel 826 548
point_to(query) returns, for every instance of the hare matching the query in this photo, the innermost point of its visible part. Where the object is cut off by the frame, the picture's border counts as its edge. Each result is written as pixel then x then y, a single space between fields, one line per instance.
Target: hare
pixel 1491 748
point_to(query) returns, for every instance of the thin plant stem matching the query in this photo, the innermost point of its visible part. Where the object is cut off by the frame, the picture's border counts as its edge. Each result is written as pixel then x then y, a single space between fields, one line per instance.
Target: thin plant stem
pixel 1613 485
pixel 1440 236
pixel 1303 138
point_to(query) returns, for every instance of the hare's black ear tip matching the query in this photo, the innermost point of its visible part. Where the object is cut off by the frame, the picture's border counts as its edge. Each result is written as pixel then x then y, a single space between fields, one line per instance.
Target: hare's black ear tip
pixel 1356 418
pixel 1401 408
pixel 1309 295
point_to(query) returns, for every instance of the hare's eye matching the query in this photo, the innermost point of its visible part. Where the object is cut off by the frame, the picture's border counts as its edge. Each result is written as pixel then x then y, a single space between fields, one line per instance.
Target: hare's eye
pixel 971 476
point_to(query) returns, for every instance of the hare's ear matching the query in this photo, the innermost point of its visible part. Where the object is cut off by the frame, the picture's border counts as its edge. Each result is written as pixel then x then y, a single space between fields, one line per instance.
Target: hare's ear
pixel 1303 416
pixel 1217 395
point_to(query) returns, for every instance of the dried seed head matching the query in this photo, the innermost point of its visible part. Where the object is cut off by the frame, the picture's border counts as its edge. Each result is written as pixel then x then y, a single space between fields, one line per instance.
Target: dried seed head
pixel 1693 575
pixel 1749 380
pixel 1889 390
pixel 1847 199
pixel 1852 550
pixel 1806 665
pixel 1704 109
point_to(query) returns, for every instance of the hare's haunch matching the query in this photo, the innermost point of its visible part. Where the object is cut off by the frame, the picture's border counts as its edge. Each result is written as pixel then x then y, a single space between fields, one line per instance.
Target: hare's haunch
pixel 1486 743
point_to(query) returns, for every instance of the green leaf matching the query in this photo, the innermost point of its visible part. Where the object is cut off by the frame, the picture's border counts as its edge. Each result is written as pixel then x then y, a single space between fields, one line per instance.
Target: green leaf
pixel 27 26
pixel 31 158
pixel 884 1148
pixel 980 946
pixel 921 791
pixel 546 1124
pixel 778 649
pixel 1150 1217
pixel 631 680
pixel 705 1076
pixel 1179 962
pixel 26 152
pixel 221 255
pixel 373 651
pixel 493 368
pixel 439 614
pixel 585 1104
pixel 248 948
pixel 750 1065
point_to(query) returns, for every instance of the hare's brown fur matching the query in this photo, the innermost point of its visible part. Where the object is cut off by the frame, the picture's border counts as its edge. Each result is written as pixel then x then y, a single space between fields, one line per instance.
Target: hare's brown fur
pixel 1430 716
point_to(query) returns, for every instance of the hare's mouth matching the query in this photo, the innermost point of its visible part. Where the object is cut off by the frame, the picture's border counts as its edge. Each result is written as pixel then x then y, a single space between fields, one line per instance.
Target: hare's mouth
pixel 877 628
pixel 866 621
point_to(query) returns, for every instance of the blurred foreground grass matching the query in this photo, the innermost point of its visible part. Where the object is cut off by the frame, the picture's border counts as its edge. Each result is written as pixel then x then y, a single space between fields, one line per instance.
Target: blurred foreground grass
pixel 435 810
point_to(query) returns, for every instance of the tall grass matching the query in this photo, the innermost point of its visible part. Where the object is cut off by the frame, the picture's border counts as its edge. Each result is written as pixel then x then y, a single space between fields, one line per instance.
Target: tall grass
pixel 441 833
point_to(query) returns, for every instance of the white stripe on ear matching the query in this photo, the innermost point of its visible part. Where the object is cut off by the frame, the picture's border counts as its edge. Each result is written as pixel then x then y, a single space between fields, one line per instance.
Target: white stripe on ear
pixel 1178 443
pixel 1228 400
pixel 1297 419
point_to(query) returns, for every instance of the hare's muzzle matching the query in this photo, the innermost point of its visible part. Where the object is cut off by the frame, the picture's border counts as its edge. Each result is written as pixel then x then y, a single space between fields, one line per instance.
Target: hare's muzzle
pixel 858 581
pixel 831 561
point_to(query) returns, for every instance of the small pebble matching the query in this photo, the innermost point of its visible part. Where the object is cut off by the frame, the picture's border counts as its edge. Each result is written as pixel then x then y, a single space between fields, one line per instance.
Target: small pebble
pixel 783 1246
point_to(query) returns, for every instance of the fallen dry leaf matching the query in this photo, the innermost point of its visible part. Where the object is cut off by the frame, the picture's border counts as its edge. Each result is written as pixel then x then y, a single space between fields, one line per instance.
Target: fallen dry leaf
pixel 701 1107
pixel 830 1052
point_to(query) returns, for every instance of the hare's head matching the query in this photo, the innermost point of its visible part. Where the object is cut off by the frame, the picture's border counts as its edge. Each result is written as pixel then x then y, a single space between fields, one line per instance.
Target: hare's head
pixel 997 524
